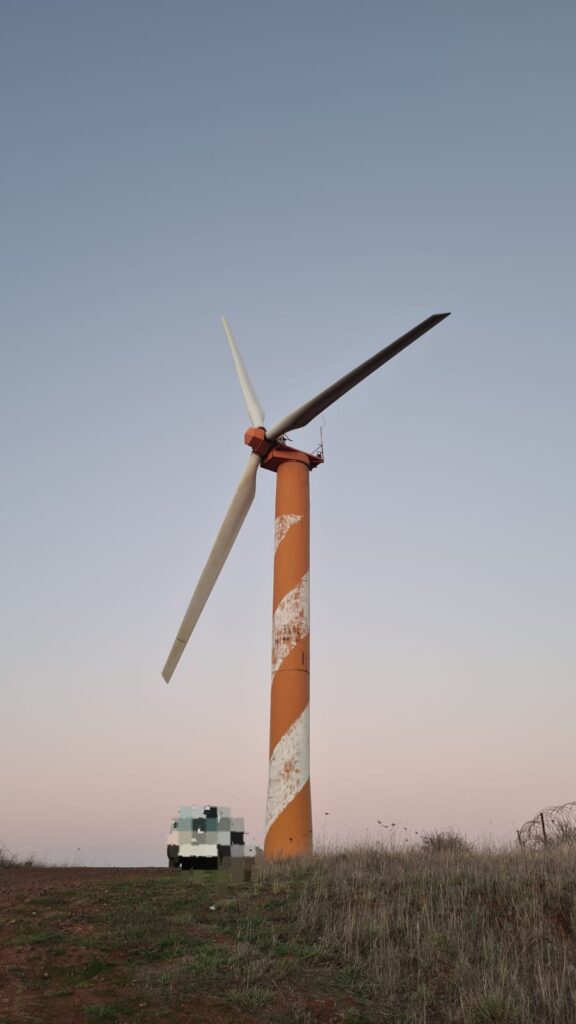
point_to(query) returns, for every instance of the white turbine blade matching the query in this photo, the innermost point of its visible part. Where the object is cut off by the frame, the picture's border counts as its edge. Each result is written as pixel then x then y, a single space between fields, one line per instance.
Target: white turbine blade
pixel 304 413
pixel 227 534
pixel 255 410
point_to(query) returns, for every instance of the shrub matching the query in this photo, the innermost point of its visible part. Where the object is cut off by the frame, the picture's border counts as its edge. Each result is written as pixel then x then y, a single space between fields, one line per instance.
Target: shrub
pixel 10 860
pixel 446 840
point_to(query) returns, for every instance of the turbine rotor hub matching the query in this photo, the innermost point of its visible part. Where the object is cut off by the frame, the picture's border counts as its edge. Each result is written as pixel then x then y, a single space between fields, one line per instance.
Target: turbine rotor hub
pixel 274 453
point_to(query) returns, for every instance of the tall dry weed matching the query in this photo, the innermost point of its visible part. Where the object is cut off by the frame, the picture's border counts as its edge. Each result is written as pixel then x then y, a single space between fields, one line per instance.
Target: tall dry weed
pixel 443 934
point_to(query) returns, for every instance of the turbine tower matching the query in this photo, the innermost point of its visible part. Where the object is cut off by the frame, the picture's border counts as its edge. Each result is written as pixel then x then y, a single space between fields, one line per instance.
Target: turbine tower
pixel 289 809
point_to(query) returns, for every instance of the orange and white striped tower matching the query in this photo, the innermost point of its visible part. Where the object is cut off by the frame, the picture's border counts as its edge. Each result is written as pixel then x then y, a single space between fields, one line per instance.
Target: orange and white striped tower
pixel 289 806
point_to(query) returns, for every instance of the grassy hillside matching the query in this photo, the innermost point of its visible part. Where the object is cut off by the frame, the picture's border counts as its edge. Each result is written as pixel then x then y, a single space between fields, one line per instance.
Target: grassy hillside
pixel 375 936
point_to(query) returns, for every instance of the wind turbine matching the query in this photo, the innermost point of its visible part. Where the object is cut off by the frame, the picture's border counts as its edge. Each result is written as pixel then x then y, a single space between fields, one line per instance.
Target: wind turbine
pixel 289 809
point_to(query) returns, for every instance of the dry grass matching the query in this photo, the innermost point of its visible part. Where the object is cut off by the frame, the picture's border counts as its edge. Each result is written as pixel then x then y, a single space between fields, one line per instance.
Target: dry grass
pixel 11 860
pixel 443 934
pixel 440 935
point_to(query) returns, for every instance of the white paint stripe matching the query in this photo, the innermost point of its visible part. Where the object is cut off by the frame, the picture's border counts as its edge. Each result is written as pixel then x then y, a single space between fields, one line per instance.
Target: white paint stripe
pixel 291 621
pixel 289 767
pixel 281 527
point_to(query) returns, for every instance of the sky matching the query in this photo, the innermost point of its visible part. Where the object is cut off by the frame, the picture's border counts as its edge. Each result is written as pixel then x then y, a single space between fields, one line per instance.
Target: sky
pixel 326 174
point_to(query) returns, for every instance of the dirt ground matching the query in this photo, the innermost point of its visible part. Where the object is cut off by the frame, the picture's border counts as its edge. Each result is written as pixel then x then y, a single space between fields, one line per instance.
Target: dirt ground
pixel 52 970
pixel 27 880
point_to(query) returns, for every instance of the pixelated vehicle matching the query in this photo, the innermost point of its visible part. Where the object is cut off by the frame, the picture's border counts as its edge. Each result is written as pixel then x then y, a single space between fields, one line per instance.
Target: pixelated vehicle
pixel 208 838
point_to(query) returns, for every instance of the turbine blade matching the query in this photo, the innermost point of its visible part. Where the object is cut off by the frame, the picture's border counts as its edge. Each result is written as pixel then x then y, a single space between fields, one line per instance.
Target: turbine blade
pixel 304 413
pixel 255 410
pixel 227 534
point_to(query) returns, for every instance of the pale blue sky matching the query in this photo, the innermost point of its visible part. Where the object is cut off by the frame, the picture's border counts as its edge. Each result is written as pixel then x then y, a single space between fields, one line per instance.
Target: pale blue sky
pixel 327 174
